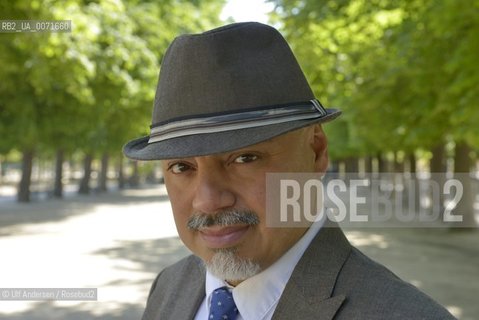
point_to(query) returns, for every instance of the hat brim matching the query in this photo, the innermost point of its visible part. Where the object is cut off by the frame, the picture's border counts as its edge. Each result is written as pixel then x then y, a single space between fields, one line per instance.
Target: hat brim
pixel 213 143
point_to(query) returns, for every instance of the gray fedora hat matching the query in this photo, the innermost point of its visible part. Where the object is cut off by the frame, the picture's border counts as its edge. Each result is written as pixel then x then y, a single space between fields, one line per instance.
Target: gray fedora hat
pixel 226 89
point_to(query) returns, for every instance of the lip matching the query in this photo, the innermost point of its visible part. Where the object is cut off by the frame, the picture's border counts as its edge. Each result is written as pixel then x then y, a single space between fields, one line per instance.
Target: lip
pixel 223 237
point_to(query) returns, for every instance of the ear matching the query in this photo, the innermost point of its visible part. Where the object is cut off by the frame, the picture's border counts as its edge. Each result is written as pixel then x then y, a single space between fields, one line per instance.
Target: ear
pixel 319 144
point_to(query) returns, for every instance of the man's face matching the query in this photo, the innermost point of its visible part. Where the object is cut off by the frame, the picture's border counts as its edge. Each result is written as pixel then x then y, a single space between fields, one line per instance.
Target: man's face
pixel 208 186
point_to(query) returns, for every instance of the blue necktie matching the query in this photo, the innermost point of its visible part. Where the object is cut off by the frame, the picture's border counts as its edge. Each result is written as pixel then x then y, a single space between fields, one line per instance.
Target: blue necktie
pixel 222 305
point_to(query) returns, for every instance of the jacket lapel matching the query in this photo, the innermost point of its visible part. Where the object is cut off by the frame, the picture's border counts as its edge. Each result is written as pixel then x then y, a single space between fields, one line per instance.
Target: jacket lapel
pixel 308 293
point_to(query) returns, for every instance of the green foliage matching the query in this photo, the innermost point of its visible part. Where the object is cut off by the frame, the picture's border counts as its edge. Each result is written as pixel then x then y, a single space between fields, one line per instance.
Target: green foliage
pixel 403 72
pixel 91 89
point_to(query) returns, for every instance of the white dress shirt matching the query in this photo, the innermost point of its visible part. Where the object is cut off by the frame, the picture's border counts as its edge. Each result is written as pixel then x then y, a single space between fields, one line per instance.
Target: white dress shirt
pixel 257 297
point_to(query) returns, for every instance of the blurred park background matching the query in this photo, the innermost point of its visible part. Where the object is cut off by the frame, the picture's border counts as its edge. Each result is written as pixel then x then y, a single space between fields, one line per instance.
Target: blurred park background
pixel 404 73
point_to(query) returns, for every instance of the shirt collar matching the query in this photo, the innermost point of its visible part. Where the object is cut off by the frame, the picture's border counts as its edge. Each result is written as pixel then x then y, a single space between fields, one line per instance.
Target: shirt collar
pixel 257 296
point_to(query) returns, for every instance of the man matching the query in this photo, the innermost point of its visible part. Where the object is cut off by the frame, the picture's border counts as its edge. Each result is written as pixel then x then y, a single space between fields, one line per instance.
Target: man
pixel 232 105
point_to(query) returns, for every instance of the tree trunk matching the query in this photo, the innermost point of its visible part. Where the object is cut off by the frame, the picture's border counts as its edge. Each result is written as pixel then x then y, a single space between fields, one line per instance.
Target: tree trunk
pixel 462 158
pixel 134 180
pixel 121 174
pixel 368 165
pixel 352 165
pixel 85 181
pixel 23 194
pixel 102 182
pixel 438 164
pixel 462 166
pixel 438 170
pixel 58 185
pixel 412 163
pixel 412 192
pixel 381 163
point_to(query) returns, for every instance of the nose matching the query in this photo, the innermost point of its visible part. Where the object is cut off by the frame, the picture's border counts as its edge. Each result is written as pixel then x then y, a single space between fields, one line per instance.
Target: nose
pixel 213 191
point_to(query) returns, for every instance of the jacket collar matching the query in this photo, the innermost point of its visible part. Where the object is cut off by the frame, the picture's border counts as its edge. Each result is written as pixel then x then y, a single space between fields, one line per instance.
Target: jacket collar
pixel 308 293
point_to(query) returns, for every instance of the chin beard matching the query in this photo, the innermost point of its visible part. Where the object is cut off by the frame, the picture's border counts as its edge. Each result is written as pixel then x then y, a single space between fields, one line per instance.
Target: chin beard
pixel 225 264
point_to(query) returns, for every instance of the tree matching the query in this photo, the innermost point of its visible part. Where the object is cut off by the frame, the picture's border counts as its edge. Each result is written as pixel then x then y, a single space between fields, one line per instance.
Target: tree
pixel 403 72
pixel 394 67
pixel 18 95
pixel 91 89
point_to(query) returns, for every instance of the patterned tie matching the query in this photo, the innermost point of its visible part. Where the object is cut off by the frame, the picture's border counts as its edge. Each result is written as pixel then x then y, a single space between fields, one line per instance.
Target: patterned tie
pixel 222 305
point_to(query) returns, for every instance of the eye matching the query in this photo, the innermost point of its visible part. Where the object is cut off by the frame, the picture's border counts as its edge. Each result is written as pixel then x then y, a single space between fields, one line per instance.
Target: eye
pixel 179 167
pixel 245 158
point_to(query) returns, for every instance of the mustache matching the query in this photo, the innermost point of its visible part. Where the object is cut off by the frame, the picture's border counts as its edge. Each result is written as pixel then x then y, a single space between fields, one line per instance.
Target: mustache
pixel 223 218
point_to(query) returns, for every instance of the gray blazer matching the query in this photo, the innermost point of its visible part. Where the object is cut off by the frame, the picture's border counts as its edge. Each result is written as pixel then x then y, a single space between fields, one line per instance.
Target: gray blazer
pixel 333 280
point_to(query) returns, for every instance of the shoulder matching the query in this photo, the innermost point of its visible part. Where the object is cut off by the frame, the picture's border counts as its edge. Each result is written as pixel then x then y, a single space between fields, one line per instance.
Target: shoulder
pixel 174 275
pixel 374 292
pixel 186 277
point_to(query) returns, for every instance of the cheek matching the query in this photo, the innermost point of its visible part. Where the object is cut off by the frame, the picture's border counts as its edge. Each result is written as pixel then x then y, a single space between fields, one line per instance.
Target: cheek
pixel 254 196
pixel 177 194
pixel 180 207
pixel 181 215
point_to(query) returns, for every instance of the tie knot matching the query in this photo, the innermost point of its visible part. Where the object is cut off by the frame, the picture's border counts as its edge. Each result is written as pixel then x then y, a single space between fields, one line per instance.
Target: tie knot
pixel 222 305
